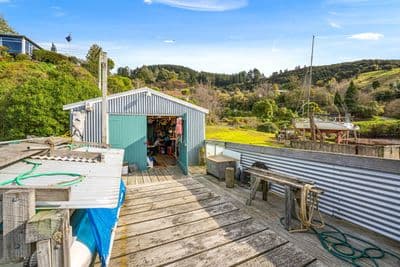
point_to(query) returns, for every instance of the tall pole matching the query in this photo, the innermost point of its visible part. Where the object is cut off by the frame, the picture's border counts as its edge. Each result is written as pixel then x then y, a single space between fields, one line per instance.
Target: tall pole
pixel 310 81
pixel 103 82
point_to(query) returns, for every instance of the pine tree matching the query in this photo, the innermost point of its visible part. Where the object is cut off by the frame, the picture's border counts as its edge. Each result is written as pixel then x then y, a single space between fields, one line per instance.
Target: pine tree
pixel 350 98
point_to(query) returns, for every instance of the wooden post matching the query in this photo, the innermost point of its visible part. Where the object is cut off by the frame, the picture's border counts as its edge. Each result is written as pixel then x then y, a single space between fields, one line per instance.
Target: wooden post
pixel 265 190
pixel 230 177
pixel 18 207
pixel 43 252
pixel 288 206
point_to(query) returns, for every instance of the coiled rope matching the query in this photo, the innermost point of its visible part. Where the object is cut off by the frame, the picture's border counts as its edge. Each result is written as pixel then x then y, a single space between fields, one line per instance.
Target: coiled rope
pixel 28 175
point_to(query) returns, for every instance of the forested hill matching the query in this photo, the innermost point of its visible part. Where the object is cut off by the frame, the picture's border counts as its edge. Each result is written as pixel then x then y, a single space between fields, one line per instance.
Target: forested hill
pixel 340 71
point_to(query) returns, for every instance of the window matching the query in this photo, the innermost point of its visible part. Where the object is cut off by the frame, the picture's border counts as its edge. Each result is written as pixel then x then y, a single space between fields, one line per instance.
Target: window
pixel 14 45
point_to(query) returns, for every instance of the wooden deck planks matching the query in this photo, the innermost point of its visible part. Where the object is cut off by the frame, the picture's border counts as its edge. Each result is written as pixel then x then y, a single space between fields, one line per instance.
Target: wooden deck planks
pixel 235 252
pixel 167 203
pixel 287 255
pixel 134 195
pixel 124 231
pixel 169 211
pixel 180 222
pixel 154 239
pixel 177 250
pixel 139 201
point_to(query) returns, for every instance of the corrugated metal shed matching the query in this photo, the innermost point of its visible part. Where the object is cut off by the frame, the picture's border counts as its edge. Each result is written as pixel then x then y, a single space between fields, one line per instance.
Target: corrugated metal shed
pixel 145 101
pixel 100 188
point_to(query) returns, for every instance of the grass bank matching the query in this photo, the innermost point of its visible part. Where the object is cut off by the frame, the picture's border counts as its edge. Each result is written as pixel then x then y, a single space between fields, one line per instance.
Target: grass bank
pixel 240 135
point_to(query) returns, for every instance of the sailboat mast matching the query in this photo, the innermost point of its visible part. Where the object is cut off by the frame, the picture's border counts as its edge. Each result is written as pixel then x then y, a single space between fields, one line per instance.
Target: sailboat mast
pixel 310 81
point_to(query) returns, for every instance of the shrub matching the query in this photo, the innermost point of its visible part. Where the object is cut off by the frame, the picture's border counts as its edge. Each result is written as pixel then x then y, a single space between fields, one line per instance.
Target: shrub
pixel 392 109
pixel 48 56
pixel 379 128
pixel 267 127
pixel 21 57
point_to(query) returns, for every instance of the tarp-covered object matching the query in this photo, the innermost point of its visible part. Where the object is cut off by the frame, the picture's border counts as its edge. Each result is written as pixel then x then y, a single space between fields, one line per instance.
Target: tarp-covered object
pixel 94 227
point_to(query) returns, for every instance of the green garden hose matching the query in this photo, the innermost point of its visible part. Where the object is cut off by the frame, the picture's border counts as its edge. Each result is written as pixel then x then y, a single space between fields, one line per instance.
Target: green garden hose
pixel 27 175
pixel 337 243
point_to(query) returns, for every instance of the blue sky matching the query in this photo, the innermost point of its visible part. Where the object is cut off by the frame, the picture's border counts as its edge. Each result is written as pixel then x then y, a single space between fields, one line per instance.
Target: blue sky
pixel 214 35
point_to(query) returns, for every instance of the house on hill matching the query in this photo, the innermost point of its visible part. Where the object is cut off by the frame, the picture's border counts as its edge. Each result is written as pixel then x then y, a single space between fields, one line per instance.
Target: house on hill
pixel 18 44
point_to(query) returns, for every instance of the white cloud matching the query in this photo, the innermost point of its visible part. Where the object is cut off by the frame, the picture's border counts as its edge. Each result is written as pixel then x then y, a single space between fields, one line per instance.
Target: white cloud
pixel 4 1
pixel 367 36
pixel 169 41
pixel 202 5
pixel 335 25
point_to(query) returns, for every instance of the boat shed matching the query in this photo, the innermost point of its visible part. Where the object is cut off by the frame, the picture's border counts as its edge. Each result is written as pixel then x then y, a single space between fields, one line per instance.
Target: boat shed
pixel 136 119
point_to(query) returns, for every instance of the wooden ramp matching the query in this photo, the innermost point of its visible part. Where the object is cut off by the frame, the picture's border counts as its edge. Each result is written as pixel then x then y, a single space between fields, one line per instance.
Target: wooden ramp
pixel 182 223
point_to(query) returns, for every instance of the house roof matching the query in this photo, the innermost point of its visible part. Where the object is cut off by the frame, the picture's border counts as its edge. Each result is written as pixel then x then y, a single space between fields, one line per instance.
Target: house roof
pixel 326 125
pixel 20 36
pixel 137 91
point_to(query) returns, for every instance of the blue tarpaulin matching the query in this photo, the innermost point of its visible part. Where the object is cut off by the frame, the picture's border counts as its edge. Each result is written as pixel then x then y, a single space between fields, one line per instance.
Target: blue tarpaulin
pixel 94 227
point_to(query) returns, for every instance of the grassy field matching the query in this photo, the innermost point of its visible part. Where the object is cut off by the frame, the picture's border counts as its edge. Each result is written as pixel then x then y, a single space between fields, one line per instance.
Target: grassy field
pixel 385 77
pixel 240 135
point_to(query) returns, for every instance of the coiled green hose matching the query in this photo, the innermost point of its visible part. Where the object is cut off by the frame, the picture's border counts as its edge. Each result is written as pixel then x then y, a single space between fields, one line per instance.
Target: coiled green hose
pixel 27 175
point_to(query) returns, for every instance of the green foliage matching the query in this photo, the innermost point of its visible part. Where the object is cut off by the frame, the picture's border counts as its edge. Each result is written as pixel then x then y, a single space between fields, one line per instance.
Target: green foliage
pixel 185 91
pixel 48 56
pixel 267 127
pixel 392 109
pixel 32 95
pixel 385 95
pixel 4 55
pixel 92 60
pixel 380 128
pixel 339 103
pixel 118 84
pixel 20 57
pixel 265 109
pixel 4 27
pixel 376 84
pixel 350 98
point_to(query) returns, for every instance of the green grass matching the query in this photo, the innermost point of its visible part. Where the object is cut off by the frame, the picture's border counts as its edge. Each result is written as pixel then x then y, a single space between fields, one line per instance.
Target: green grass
pixel 240 135
pixel 385 77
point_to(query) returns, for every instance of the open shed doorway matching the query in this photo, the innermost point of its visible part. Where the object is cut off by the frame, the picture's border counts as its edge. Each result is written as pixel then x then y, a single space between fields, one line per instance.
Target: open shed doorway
pixel 162 136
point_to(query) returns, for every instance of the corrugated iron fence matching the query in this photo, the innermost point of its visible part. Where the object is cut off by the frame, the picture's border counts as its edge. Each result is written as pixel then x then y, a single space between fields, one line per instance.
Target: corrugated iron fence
pixel 362 190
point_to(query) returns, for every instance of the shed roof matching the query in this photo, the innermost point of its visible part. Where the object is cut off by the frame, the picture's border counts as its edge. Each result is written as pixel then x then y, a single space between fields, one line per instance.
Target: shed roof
pixel 137 91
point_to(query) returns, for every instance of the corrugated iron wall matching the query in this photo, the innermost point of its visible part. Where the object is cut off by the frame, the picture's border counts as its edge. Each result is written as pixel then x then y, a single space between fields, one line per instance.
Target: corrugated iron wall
pixel 142 104
pixel 362 190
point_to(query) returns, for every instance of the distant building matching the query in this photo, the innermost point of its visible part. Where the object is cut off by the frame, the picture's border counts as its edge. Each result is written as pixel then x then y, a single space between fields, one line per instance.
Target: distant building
pixel 18 44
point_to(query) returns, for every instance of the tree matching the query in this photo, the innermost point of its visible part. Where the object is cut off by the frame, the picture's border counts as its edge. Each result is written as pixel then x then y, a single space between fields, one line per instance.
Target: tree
pixel 338 101
pixel 376 84
pixel 118 84
pixel 92 60
pixel 350 98
pixel 53 48
pixel 4 27
pixel 264 109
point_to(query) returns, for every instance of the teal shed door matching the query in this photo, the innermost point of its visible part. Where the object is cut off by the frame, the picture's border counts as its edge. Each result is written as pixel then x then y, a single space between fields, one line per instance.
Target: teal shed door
pixel 183 147
pixel 130 133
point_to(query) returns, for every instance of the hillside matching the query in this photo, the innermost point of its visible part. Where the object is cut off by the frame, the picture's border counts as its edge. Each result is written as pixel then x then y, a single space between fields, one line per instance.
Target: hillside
pixel 32 95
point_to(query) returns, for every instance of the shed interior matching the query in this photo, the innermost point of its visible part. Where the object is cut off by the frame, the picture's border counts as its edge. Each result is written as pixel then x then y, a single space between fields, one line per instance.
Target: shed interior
pixel 162 145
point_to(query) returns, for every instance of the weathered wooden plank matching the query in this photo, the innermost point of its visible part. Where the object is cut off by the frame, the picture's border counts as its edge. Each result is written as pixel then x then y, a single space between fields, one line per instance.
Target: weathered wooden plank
pixel 288 206
pixel 146 177
pixel 133 195
pixel 169 211
pixel 162 223
pixel 161 185
pixel 18 207
pixel 127 209
pixel 133 244
pixel 317 263
pixel 152 176
pixel 177 250
pixel 287 255
pixel 235 252
pixel 43 252
pixel 139 201
pixel 15 152
pixel 43 193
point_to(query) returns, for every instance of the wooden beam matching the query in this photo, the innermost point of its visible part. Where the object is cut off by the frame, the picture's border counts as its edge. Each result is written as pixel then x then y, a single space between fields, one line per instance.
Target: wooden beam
pixel 18 207
pixel 43 193
pixel 43 252
pixel 288 206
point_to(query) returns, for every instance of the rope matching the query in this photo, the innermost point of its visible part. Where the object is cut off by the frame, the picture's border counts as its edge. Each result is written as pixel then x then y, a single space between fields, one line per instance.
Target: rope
pixel 28 175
